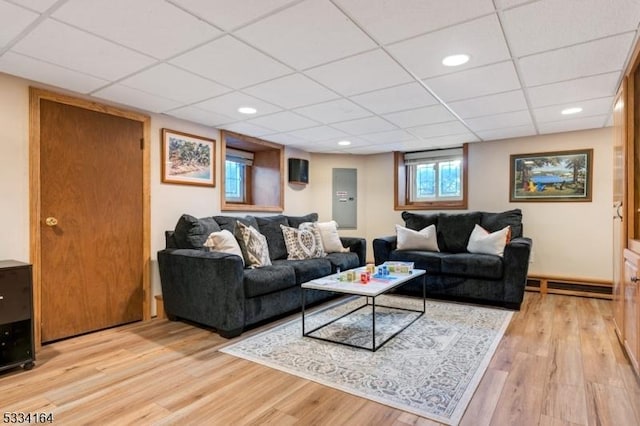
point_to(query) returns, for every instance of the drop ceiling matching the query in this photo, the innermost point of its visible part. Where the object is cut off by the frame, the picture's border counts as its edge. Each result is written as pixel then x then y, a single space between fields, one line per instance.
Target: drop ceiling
pixel 323 71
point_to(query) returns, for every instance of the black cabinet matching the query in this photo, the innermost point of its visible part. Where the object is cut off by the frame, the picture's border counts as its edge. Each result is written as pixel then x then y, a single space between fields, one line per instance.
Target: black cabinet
pixel 16 315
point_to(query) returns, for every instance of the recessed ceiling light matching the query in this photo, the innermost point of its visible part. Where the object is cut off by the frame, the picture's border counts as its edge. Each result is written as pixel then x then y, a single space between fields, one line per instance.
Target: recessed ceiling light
pixel 344 143
pixel 455 60
pixel 569 111
pixel 247 110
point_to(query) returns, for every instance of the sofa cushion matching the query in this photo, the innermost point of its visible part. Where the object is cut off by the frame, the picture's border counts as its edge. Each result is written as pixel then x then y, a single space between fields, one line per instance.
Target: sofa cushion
pixel 427 260
pixel 229 222
pixel 425 239
pixel 343 261
pixel 268 279
pixel 270 228
pixel 253 245
pixel 495 221
pixel 295 221
pixel 473 265
pixel 454 231
pixel 308 269
pixel 419 221
pixel 330 237
pixel 191 233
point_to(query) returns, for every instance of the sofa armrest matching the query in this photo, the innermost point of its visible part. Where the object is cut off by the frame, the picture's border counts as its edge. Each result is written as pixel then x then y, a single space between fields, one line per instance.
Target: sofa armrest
pixel 516 267
pixel 356 245
pixel 204 287
pixel 382 248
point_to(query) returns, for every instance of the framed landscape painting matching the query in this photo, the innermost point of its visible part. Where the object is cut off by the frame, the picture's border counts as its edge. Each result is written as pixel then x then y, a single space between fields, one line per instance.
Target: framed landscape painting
pixel 187 159
pixel 551 176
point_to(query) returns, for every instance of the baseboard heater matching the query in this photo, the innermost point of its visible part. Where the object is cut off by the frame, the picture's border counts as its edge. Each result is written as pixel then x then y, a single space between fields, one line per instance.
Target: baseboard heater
pixel 584 287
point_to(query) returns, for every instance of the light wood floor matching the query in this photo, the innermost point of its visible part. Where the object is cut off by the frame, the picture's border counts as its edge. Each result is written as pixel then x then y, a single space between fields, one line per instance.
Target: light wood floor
pixel 559 364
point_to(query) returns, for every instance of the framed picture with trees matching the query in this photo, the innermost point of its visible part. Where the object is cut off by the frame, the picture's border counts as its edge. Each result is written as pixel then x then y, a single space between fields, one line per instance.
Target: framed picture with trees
pixel 551 176
pixel 187 159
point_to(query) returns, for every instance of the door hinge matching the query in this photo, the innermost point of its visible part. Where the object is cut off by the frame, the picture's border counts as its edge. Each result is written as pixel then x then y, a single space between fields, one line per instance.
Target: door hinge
pixel 142 143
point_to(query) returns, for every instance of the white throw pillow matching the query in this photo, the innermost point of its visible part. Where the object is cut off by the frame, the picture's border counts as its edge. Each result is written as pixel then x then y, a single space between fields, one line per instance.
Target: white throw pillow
pixel 425 239
pixel 225 242
pixel 481 241
pixel 330 238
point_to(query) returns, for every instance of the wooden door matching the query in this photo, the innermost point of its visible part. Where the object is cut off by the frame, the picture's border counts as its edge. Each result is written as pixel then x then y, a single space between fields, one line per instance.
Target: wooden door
pixel 619 204
pixel 91 224
pixel 632 308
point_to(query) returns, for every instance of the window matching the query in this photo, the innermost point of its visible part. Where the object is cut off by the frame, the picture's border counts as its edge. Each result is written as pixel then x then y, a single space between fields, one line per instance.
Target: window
pixel 236 166
pixel 252 174
pixel 431 179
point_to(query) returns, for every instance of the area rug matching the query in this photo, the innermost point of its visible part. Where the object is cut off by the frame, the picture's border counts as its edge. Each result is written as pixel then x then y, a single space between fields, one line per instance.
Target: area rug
pixel 430 369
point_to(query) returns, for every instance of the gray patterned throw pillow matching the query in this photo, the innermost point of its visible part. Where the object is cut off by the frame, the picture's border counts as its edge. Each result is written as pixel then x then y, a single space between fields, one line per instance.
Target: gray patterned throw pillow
pixel 303 243
pixel 253 245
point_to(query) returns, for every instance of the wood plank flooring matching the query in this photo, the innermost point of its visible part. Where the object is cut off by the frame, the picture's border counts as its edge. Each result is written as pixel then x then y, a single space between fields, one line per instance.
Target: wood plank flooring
pixel 559 363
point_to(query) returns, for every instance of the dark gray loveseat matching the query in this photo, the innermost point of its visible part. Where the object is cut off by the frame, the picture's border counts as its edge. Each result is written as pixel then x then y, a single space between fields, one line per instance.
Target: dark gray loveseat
pixel 454 273
pixel 214 288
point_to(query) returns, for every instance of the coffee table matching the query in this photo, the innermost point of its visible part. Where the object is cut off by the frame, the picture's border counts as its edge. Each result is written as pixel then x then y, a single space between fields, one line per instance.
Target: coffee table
pixel 370 290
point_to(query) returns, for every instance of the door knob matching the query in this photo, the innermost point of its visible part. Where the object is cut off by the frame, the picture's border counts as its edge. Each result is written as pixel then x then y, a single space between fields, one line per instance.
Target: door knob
pixel 51 221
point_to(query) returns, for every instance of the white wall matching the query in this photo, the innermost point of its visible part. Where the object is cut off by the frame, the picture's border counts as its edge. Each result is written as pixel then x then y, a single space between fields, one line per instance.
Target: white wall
pixel 570 239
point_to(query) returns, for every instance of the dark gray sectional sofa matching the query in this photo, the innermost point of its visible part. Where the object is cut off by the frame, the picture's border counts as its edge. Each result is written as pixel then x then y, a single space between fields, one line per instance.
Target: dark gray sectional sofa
pixel 453 273
pixel 214 289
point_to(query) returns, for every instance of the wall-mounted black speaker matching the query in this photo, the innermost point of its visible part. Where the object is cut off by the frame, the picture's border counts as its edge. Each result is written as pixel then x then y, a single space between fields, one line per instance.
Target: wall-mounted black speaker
pixel 298 170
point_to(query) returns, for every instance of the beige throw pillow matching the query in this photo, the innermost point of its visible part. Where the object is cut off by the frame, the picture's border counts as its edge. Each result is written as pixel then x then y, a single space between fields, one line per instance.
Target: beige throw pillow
pixel 253 245
pixel 224 241
pixel 481 241
pixel 425 239
pixel 330 237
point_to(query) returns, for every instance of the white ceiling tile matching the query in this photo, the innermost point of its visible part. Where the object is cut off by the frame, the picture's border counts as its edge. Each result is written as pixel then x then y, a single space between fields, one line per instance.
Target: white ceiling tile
pixel 419 116
pixel 229 15
pixel 393 136
pixel 363 126
pixel 333 111
pixel 33 69
pixel 13 20
pixel 228 105
pixel 37 5
pixel 246 129
pixel 333 143
pixel 284 121
pixel 388 21
pixel 551 24
pixel 498 121
pixel 507 4
pixel 596 86
pixel 609 121
pixel 439 142
pixel 481 39
pixel 573 124
pixel 307 34
pixel 398 98
pixel 589 108
pixel 231 62
pixel 156 28
pixel 476 82
pixel 287 139
pixel 185 86
pixel 489 105
pixel 291 91
pixel 136 98
pixel 600 56
pixel 372 149
pixel 319 133
pixel 509 132
pixel 365 72
pixel 440 129
pixel 68 47
pixel 201 116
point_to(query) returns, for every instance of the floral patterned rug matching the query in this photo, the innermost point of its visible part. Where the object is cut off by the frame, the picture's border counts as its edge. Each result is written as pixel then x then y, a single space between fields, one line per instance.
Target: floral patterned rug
pixel 430 369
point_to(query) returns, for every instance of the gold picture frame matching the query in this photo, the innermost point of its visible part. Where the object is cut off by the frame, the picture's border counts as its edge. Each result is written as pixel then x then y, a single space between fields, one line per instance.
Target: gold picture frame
pixel 187 159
